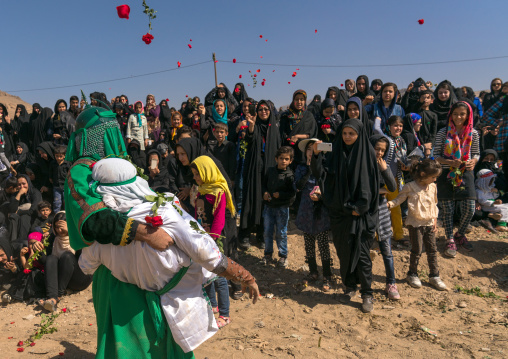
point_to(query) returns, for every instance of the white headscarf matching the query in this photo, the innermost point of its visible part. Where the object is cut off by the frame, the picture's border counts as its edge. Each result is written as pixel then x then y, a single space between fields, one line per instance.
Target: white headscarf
pixel 483 180
pixel 118 184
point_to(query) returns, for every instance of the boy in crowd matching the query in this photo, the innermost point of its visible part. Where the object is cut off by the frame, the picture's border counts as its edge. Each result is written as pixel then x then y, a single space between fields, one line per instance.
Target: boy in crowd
pixel 427 133
pixel 225 151
pixel 44 219
pixel 279 195
pixel 58 173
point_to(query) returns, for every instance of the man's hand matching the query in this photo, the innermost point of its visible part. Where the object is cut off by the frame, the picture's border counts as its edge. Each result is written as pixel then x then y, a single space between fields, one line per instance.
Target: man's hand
pixel 37 246
pixel 253 291
pixel 156 238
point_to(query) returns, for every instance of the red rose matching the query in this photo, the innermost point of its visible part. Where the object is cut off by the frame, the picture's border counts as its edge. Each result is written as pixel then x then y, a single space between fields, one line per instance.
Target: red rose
pixel 167 100
pixel 255 75
pixel 341 85
pixel 147 38
pixel 20 350
pixel 26 271
pixel 240 76
pixel 262 83
pixel 315 31
pixel 260 36
pixel 123 11
pixel 258 70
pixel 61 354
pixel 190 46
pixel 154 221
pixel 32 344
pixel 64 310
pixel 20 344
pixel 421 21
pixel 234 61
pixel 178 63
pixel 289 82
pixel 190 39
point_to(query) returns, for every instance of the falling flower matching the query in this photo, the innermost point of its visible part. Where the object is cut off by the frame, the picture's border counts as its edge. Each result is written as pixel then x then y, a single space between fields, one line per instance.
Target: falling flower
pixel 258 70
pixel 216 61
pixel 13 322
pixel 261 56
pixel 266 40
pixel 315 31
pixel 234 61
pixel 264 79
pixel 178 63
pixel 123 11
pixel 260 36
pixel 421 21
pixel 9 337
pixel 273 71
pixel 239 76
pixel 255 75
pixel 167 100
pixel 262 83
pixel 190 40
pixel 248 84
pixel 147 38
pixel 186 95
pixel 190 46
pixel 341 85
pixel 289 82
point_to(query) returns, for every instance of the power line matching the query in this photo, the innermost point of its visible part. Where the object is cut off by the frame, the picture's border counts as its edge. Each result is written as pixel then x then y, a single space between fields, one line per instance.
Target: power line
pixel 377 65
pixel 112 80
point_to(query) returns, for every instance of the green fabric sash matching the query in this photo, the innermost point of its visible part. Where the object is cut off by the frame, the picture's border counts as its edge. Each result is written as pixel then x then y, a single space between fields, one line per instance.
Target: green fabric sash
pixel 154 304
pixel 96 184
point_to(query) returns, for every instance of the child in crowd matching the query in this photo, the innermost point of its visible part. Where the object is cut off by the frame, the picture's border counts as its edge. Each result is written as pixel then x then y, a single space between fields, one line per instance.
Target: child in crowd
pixel 278 196
pixel 224 150
pixel 384 149
pixel 387 107
pixel 428 130
pixel 20 158
pixel 176 123
pixel 137 126
pixel 422 219
pixel 488 197
pixel 397 165
pixel 213 197
pixel 312 218
pixel 44 219
pixel 58 172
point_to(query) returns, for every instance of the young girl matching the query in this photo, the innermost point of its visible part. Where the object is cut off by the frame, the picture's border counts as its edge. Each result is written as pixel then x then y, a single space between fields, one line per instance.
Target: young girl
pixel 422 219
pixel 457 150
pixel 328 121
pixel 488 197
pixel 176 123
pixel 397 165
pixel 384 149
pixel 137 126
pixel 386 107
pixel 312 219
pixel 210 210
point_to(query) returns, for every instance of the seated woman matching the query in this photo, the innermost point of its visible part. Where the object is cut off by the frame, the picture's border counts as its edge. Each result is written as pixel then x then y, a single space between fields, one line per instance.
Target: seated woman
pixel 176 274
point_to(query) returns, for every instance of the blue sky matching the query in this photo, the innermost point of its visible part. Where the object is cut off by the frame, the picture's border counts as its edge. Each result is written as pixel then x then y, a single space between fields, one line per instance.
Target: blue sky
pixel 62 42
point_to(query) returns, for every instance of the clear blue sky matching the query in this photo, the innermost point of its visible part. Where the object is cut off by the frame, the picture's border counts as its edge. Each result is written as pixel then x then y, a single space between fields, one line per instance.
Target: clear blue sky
pixel 61 42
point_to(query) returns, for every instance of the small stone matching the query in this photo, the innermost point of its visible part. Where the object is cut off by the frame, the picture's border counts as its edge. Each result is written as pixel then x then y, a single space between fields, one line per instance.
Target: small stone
pixel 462 304
pixel 269 295
pixel 240 347
pixel 260 324
pixel 306 310
pixel 400 315
pixel 485 349
pixel 29 317
pixel 388 307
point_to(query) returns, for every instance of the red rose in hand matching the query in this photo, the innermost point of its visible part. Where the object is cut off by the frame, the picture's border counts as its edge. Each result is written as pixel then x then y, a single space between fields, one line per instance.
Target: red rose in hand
pixel 123 11
pixel 154 221
pixel 147 38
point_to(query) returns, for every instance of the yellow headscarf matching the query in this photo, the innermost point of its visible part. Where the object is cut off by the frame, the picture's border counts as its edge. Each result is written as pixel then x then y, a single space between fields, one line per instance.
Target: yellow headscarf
pixel 214 182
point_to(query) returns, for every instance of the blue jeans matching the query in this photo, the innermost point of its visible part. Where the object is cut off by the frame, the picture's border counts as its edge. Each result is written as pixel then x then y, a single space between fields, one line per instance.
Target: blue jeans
pixel 386 251
pixel 219 286
pixel 276 219
pixel 58 200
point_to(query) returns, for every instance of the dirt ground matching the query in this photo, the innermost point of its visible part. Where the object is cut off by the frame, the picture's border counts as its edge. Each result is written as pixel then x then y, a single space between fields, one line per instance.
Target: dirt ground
pixel 292 321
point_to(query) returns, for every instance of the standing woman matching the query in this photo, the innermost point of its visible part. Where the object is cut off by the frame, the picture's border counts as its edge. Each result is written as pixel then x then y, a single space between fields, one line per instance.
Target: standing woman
pixel 297 124
pixel 444 98
pixel 494 95
pixel 351 194
pixel 263 140
pixel 457 150
pixel 355 109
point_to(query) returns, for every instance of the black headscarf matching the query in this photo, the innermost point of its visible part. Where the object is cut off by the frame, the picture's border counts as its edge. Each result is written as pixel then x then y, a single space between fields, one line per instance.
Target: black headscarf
pixel 137 155
pixel 33 196
pixel 376 81
pixel 241 95
pixel 364 117
pixel 165 116
pixel 40 126
pixel 367 90
pixel 263 143
pixel 333 121
pixel 36 169
pixel 315 106
pixel 375 139
pixel 441 108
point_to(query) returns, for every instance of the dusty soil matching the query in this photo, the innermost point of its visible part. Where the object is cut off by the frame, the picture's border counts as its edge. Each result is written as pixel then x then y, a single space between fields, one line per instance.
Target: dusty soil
pixel 292 321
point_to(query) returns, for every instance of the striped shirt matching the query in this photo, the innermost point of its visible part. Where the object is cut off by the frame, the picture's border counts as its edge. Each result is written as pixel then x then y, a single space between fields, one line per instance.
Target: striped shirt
pixel 439 148
pixel 492 117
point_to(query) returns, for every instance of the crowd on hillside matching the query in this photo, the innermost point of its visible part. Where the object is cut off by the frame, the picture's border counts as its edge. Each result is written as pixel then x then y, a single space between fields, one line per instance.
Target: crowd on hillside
pixel 430 157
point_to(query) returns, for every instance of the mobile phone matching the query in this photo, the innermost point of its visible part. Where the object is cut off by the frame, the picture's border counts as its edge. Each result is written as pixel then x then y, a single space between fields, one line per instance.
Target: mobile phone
pixel 252 109
pixel 153 163
pixel 324 147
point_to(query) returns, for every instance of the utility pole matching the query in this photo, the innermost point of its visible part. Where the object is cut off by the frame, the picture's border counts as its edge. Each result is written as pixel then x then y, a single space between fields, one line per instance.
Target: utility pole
pixel 215 68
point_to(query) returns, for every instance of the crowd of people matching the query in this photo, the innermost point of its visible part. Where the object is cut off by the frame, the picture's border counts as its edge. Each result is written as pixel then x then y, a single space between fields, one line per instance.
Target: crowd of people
pixel 243 167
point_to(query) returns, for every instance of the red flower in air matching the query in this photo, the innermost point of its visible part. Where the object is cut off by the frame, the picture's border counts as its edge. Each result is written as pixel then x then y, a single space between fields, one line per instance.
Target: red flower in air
pixel 147 38
pixel 190 40
pixel 273 71
pixel 32 344
pixel 255 75
pixel 186 95
pixel 297 69
pixel 289 82
pixel 262 83
pixel 260 36
pixel 266 40
pixel 258 70
pixel 190 46
pixel 239 76
pixel 421 21
pixel 237 90
pixel 178 63
pixel 234 61
pixel 216 61
pixel 261 57
pixel 123 11
pixel 341 85
pixel 20 344
pixel 167 100
pixel 248 84
pixel 315 31
pixel 20 350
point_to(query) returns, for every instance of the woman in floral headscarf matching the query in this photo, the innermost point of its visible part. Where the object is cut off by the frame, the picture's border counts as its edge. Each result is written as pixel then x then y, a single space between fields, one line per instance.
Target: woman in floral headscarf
pixel 457 150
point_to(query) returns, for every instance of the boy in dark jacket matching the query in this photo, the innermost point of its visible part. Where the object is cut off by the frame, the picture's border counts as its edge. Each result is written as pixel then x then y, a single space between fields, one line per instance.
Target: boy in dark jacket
pixel 224 150
pixel 278 195
pixel 58 173
pixel 44 219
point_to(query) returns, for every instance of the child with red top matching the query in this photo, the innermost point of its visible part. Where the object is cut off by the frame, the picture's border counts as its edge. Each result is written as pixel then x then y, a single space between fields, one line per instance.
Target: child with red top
pixel 212 199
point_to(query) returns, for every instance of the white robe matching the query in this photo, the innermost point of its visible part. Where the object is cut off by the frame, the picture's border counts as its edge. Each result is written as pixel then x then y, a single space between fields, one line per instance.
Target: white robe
pixel 186 307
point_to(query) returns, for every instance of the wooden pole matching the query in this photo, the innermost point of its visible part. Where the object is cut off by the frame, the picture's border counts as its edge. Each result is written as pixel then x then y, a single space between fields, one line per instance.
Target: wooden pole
pixel 215 68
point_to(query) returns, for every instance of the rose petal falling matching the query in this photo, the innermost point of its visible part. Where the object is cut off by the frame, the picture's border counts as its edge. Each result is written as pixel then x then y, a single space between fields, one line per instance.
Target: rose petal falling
pixel 190 46
pixel 123 11
pixel 234 61
pixel 178 63
pixel 421 21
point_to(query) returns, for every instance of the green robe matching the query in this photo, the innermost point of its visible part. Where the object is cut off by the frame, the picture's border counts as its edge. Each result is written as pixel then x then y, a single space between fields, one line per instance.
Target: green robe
pixel 125 325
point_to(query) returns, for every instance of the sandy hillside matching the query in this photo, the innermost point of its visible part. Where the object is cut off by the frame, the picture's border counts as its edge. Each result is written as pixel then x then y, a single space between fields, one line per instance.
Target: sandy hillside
pixel 291 321
pixel 11 101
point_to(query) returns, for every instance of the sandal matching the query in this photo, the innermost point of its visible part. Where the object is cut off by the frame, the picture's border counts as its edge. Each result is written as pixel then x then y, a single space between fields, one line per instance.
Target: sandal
pixel 223 321
pixel 311 277
pixel 50 304
pixel 326 284
pixel 215 310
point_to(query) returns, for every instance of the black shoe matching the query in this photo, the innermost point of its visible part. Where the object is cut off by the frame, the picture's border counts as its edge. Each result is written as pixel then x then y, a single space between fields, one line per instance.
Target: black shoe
pixel 348 294
pixel 261 245
pixel 244 244
pixel 367 305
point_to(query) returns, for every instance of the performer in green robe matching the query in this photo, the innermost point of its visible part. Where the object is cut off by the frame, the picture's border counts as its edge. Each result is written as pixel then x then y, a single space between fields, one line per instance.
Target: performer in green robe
pixel 126 327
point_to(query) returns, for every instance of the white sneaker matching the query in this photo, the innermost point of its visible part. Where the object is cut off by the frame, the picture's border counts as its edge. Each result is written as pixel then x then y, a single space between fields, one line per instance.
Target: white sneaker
pixel 414 281
pixel 437 283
